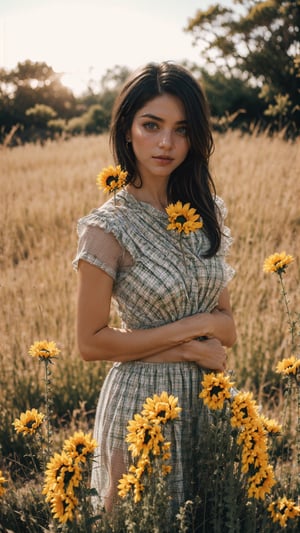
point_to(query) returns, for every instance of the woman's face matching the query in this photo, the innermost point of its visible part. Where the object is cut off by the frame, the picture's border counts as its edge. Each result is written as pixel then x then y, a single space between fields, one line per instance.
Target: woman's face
pixel 159 136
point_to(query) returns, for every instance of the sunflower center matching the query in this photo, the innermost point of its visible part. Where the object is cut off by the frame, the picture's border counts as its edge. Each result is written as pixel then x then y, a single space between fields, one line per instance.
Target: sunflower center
pixel 161 413
pixel 147 436
pixel 215 390
pixel 110 180
pixel 244 412
pixel 180 219
pixel 30 424
pixel 67 478
pixel 79 448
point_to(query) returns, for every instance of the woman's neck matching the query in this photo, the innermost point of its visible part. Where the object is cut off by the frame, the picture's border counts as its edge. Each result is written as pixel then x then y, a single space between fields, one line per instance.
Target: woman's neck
pixel 157 197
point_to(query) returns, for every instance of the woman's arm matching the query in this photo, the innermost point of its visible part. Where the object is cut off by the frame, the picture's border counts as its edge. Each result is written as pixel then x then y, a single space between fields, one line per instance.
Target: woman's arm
pixel 208 354
pixel 98 341
pixel 219 323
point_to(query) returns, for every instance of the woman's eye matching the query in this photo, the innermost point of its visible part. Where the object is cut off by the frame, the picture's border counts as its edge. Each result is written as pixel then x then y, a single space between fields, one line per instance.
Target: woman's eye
pixel 150 126
pixel 182 131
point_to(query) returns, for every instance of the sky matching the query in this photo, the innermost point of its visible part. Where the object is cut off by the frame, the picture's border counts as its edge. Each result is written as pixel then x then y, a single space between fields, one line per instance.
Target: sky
pixel 82 39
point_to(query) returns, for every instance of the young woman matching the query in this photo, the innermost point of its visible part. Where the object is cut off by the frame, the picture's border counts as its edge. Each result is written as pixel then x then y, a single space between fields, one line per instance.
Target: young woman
pixel 170 289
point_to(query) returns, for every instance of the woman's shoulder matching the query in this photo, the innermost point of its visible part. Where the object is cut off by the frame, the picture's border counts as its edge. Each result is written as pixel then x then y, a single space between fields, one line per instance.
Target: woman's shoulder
pixel 107 216
pixel 221 207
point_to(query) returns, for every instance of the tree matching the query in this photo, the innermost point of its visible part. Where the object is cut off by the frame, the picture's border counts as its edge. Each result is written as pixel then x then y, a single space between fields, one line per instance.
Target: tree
pixel 259 44
pixel 29 85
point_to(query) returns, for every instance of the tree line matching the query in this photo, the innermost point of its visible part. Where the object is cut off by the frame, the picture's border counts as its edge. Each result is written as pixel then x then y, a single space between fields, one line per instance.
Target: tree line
pixel 250 57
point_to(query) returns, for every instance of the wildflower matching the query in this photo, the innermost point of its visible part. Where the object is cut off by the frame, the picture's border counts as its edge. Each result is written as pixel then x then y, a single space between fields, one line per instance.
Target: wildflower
pixel 288 366
pixel 277 262
pixel 125 484
pixel 111 179
pixel 44 350
pixel 143 465
pixel 216 389
pixel 183 218
pixel 244 410
pixel 128 482
pixel 166 469
pixel 161 408
pixel 80 446
pixel 282 509
pixel 254 449
pixel 270 425
pixel 144 436
pixel 29 422
pixel 62 476
pixel 166 451
pixel 261 483
pixel 63 507
pixel 2 482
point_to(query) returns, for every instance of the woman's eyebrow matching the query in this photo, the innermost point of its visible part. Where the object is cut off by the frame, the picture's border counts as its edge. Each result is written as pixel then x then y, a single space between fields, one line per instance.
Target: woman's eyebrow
pixel 159 119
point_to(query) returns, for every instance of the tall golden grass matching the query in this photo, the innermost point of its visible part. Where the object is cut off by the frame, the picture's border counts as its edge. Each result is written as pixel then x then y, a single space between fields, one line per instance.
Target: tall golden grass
pixel 44 190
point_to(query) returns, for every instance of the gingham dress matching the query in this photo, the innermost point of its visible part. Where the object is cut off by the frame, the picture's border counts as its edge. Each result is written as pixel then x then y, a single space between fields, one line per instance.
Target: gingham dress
pixel 154 287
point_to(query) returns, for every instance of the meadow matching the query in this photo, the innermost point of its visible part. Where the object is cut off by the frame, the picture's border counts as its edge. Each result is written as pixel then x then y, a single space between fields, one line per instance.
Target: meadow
pixel 45 189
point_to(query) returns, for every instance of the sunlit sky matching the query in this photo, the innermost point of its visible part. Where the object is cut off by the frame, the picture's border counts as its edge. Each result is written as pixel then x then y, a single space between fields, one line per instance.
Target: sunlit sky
pixel 84 38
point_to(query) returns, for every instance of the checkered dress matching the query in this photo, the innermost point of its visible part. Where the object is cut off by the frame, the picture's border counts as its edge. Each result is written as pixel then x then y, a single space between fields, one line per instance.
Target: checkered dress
pixel 156 289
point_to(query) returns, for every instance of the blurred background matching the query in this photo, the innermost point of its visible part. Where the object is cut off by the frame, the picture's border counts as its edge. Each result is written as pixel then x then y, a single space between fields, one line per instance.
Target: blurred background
pixel 61 63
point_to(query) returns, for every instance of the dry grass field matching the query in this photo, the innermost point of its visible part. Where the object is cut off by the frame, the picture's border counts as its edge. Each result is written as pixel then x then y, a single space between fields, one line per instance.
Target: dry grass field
pixel 44 190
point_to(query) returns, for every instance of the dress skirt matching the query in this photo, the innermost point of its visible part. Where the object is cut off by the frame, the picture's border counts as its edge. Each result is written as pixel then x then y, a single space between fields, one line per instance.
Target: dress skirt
pixel 123 394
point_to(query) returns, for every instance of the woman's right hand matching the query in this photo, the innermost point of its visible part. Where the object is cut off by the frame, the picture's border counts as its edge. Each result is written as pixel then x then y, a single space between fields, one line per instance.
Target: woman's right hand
pixel 207 353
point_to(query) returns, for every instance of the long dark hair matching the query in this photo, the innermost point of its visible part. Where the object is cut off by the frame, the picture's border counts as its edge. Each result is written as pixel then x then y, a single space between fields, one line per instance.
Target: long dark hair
pixel 191 181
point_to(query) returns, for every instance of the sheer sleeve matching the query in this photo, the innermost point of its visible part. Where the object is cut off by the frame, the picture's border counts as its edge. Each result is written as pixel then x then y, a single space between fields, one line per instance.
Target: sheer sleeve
pixel 99 248
pixel 226 239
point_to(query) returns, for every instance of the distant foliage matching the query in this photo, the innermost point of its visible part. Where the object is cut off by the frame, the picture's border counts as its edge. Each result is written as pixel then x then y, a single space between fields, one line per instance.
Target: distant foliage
pixel 36 106
pixel 255 44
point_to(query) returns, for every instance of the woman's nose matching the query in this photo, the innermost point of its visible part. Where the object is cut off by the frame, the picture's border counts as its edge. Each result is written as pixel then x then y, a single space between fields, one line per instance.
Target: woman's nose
pixel 165 139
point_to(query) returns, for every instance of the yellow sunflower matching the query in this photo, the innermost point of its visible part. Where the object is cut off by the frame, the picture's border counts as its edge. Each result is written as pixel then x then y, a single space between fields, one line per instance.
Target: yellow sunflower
pixel 288 366
pixel 277 262
pixel 244 411
pixel 111 178
pixel 128 482
pixel 2 483
pixel 216 389
pixel 166 451
pixel 183 218
pixel 282 509
pixel 144 436
pixel 143 465
pixel 271 426
pixel 261 483
pixel 80 446
pixel 64 507
pixel 44 350
pixel 29 422
pixel 254 452
pixel 62 476
pixel 160 409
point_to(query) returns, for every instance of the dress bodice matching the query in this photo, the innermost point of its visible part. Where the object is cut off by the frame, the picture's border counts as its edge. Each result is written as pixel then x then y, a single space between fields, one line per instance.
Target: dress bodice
pixel 160 286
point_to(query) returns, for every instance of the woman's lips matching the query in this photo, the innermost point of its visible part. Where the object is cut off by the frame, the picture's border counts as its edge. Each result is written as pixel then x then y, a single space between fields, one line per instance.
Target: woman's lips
pixel 163 160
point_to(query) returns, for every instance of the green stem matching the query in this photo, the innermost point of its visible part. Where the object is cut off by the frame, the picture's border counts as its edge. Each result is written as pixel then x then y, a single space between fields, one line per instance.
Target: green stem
pixel 291 322
pixel 47 407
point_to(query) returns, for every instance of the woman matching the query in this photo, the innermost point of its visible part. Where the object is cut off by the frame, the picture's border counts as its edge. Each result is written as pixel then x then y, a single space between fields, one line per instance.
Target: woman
pixel 170 288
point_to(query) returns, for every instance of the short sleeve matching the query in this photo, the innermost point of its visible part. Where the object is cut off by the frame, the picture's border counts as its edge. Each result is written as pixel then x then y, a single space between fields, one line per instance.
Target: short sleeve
pixel 226 239
pixel 99 248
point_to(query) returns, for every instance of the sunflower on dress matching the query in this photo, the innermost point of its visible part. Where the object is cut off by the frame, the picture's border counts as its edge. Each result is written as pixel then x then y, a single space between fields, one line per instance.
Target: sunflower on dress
pixel 111 179
pixel 184 219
